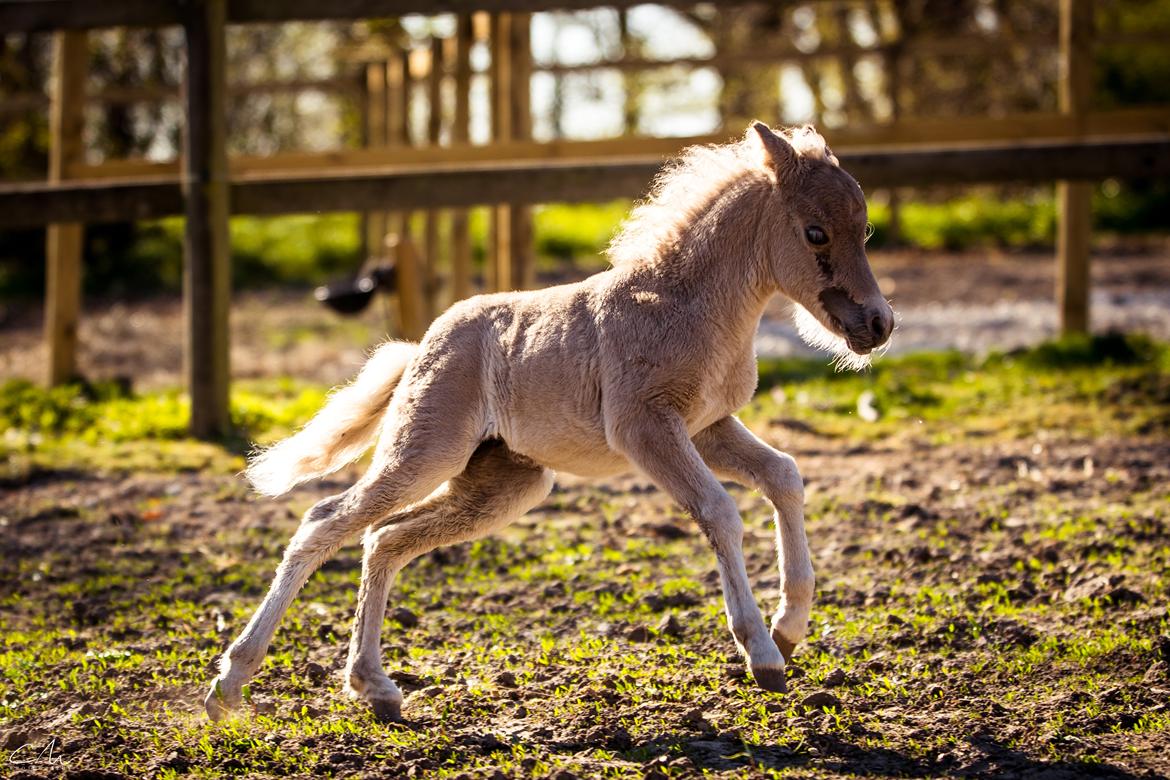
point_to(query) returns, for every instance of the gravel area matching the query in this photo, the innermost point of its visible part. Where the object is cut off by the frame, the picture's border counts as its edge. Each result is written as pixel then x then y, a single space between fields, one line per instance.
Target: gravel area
pixel 982 327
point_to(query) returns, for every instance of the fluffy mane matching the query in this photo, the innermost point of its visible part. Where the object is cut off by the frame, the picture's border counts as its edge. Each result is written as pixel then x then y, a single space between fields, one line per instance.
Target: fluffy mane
pixel 686 186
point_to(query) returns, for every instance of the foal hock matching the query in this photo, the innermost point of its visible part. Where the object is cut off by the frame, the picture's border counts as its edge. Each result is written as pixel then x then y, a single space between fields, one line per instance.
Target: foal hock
pixel 638 367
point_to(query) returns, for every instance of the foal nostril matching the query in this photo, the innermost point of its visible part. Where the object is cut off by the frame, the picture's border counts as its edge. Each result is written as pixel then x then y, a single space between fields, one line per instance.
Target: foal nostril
pixel 878 326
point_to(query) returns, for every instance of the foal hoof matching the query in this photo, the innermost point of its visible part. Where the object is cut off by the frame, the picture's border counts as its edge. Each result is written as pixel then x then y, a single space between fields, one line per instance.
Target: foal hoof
pixel 219 703
pixel 387 710
pixel 770 678
pixel 786 648
pixel 383 697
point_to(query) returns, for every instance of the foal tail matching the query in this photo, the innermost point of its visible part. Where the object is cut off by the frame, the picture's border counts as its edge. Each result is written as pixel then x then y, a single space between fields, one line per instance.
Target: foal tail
pixel 340 432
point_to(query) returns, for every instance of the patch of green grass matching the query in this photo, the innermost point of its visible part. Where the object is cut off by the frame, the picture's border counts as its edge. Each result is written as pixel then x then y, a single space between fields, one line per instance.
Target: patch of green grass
pixel 944 395
pixel 106 427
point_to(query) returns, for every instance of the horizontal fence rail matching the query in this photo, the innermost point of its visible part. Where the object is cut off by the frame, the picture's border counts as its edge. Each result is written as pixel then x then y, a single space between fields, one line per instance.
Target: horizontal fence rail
pixel 41 15
pixel 544 181
pixel 1137 123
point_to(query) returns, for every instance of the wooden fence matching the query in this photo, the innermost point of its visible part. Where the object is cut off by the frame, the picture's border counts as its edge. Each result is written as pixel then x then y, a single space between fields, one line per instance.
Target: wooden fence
pixel 390 178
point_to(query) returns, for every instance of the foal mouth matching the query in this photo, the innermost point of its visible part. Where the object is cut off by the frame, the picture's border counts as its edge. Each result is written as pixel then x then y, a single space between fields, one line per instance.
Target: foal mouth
pixel 856 347
pixel 843 313
pixel 862 329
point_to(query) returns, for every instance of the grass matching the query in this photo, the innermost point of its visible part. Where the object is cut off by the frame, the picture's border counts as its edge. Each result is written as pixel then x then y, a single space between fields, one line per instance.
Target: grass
pixel 945 396
pixel 941 625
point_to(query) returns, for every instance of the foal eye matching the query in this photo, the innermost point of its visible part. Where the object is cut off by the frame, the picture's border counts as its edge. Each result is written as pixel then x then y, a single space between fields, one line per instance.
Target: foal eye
pixel 815 235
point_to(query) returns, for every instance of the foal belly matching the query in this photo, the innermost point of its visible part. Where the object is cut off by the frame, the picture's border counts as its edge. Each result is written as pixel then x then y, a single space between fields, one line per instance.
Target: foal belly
pixel 584 453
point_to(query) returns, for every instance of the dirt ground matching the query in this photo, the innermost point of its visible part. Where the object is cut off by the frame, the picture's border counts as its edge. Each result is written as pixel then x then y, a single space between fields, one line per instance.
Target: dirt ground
pixel 933 687
pixel 987 605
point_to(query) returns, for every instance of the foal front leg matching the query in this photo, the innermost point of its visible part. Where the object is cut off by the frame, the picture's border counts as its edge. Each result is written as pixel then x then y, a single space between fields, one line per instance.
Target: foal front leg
pixel 735 452
pixel 656 441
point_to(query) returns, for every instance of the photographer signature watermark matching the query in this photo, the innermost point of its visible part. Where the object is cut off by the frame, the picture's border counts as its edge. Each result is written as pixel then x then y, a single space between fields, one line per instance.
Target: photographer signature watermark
pixel 29 755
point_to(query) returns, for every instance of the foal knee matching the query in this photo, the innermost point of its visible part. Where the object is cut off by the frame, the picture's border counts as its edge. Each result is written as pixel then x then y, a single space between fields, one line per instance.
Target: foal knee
pixel 782 480
pixel 719 519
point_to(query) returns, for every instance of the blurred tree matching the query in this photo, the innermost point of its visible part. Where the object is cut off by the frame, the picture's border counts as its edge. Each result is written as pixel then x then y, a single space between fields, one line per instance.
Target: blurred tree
pixel 749 90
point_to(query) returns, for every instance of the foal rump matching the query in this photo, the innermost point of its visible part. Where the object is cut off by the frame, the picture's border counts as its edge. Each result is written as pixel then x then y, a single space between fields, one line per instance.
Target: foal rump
pixel 341 432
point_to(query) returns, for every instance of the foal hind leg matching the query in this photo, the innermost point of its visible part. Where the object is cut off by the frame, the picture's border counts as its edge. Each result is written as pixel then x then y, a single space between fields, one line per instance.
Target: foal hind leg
pixel 496 488
pixel 414 461
pixel 323 529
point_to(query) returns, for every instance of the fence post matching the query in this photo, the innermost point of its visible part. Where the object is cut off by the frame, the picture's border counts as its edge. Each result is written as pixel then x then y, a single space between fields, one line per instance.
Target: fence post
pixel 1074 199
pixel 523 274
pixel 411 299
pixel 63 241
pixel 894 71
pixel 501 98
pixel 461 134
pixel 207 262
pixel 412 320
pixel 377 100
pixel 432 217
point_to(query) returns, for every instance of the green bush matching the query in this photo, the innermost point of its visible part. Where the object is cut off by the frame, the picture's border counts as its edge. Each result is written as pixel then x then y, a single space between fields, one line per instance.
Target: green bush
pixel 968 222
pixel 295 249
pixel 577 233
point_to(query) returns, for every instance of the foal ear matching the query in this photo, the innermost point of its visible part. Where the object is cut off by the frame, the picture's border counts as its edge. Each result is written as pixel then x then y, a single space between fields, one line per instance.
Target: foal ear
pixel 776 153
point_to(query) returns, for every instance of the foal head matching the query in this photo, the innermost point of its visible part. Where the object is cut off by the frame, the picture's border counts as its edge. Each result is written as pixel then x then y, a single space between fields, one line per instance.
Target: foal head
pixel 815 225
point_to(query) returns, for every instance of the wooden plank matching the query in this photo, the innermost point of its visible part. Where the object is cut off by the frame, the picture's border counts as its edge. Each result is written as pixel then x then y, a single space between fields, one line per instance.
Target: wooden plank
pixel 398 93
pixel 460 135
pixel 377 106
pixel 402 87
pixel 29 204
pixel 112 95
pixel 435 93
pixel 64 241
pixel 411 289
pixel 894 70
pixel 1074 203
pixel 501 98
pixel 501 77
pixel 207 269
pixel 413 319
pixel 1074 199
pixel 40 15
pixel 432 217
pixel 45 15
pixel 520 234
pixel 501 236
pixel 268 11
pixel 1025 128
pixel 34 204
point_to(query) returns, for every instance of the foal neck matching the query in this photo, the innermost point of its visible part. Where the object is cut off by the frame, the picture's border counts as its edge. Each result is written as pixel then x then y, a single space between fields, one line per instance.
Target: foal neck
pixel 719 259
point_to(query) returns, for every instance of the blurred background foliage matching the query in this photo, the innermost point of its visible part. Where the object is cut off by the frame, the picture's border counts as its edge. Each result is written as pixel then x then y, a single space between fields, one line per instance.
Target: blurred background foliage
pixel 1016 76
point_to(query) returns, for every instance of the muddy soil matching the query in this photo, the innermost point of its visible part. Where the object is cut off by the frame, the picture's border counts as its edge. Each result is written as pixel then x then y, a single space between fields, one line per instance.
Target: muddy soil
pixel 983 609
